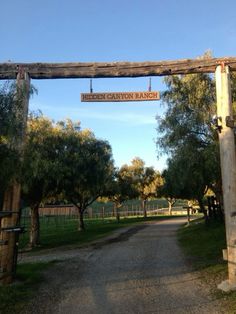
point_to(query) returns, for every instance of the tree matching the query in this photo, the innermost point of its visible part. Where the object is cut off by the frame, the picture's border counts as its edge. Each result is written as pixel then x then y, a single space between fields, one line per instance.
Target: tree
pixel 189 176
pixel 40 168
pixel 87 170
pixel 187 135
pixel 190 101
pixel 121 188
pixel 167 189
pixel 9 128
pixel 147 181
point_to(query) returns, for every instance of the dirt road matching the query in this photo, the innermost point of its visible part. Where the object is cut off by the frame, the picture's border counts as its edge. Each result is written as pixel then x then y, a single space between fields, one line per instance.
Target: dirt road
pixel 142 272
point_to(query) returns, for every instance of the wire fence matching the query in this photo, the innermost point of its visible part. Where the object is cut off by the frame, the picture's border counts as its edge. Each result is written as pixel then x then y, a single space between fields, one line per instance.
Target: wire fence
pixel 70 211
pixel 63 221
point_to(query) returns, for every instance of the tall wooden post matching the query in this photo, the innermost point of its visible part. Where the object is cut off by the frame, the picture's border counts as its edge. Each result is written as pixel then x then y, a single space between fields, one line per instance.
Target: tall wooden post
pixel 11 205
pixel 228 169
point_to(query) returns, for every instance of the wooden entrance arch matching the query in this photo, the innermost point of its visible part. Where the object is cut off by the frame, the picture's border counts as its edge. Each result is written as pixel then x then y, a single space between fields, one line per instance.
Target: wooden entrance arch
pixel 23 72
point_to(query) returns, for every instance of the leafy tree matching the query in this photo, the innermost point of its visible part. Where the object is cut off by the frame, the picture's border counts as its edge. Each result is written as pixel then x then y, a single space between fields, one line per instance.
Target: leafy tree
pixel 187 135
pixel 190 101
pixel 11 125
pixel 62 161
pixel 147 181
pixel 167 189
pixel 9 128
pixel 189 179
pixel 40 168
pixel 132 181
pixel 121 188
pixel 87 170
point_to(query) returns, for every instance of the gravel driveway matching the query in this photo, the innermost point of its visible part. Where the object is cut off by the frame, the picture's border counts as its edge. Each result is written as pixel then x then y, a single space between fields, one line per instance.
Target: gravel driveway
pixel 141 271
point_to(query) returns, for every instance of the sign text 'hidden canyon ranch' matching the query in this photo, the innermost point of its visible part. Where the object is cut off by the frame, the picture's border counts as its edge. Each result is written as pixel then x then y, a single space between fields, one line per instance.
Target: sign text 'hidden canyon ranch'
pixel 120 96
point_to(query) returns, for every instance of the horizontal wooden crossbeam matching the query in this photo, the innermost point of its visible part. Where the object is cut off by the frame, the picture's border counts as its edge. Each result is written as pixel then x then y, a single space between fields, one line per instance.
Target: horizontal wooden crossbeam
pixel 114 69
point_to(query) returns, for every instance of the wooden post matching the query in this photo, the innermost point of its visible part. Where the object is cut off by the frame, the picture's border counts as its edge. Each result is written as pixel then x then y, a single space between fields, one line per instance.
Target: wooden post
pixel 228 169
pixel 8 252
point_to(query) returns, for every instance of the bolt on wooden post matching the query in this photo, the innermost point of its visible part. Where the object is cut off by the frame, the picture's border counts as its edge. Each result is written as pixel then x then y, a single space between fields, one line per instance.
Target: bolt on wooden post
pixel 228 170
pixel 11 205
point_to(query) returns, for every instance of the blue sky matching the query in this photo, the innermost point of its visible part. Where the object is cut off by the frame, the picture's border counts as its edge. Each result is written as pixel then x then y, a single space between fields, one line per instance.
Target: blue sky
pixel 102 30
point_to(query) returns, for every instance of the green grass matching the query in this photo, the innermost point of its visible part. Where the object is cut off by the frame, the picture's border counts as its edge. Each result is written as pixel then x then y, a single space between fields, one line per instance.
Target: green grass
pixel 13 298
pixel 203 244
pixel 59 234
pixel 203 248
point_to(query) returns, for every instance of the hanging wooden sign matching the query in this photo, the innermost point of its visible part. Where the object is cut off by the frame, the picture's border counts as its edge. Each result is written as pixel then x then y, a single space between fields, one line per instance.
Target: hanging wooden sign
pixel 120 96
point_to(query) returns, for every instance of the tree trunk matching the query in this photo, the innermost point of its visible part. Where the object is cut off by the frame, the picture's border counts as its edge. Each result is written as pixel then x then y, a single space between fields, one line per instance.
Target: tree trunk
pixel 81 220
pixel 170 207
pixel 34 227
pixel 117 207
pixel 144 208
pixel 114 210
pixel 202 208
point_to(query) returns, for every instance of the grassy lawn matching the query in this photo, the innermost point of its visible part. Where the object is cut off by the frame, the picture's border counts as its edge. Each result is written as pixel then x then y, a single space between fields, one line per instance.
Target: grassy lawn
pixel 13 298
pixel 203 248
pixel 203 244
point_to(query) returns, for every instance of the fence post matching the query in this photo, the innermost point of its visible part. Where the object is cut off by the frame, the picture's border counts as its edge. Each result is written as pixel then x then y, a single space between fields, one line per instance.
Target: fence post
pixel 228 168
